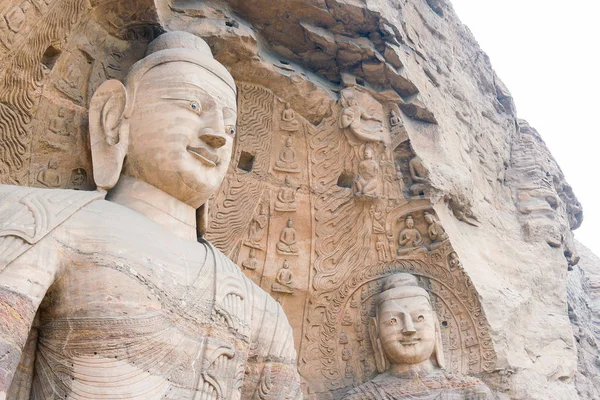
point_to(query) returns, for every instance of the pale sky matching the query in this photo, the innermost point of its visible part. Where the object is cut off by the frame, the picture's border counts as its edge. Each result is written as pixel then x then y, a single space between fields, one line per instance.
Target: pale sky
pixel 547 52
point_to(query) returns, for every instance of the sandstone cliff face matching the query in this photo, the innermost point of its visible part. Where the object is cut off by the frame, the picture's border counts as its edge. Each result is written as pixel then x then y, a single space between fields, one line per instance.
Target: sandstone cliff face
pixel 492 182
pixel 583 287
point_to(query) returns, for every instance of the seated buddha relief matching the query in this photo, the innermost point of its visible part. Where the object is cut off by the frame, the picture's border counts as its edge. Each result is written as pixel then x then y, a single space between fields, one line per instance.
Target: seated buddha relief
pixel 406 338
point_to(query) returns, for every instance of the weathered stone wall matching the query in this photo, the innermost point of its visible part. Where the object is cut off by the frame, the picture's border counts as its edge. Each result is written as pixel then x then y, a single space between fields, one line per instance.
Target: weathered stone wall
pixel 583 287
pixel 489 177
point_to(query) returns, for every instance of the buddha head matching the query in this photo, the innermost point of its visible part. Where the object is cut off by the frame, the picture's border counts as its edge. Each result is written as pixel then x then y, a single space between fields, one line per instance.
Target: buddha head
pixel 428 218
pixel 171 124
pixel 405 332
pixel 409 222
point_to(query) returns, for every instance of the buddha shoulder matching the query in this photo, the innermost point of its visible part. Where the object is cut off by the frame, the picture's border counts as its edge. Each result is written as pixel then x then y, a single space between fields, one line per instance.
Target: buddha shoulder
pixel 251 311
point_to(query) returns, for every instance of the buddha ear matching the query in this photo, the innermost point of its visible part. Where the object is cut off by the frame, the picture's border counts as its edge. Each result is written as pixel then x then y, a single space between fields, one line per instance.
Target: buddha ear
pixel 438 350
pixel 380 358
pixel 109 133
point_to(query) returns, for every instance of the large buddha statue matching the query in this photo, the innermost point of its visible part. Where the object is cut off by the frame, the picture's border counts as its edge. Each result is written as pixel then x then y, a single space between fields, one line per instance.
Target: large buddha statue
pixel 116 298
pixel 406 339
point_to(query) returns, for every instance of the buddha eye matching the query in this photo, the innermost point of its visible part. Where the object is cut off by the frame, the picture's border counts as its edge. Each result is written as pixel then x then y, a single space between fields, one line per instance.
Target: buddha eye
pixel 230 130
pixel 195 106
pixel 420 318
pixel 393 321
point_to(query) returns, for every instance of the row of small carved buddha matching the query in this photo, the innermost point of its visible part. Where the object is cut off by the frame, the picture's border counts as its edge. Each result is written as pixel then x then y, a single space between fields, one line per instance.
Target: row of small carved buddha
pixel 283 279
pixel 50 177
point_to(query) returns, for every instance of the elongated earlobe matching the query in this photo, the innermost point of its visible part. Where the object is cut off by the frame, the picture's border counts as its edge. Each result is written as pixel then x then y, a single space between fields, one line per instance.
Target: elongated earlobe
pixel 438 350
pixel 380 358
pixel 109 133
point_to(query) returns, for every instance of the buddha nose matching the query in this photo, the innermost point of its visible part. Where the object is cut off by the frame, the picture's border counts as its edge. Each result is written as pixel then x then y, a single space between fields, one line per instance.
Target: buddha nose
pixel 409 327
pixel 212 139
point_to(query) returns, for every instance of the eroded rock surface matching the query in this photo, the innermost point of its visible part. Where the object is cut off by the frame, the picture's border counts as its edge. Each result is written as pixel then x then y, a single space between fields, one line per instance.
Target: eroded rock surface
pixel 583 287
pixel 352 116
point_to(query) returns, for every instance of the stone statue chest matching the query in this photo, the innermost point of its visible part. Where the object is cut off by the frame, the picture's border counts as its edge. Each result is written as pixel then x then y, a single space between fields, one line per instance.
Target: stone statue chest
pixel 134 307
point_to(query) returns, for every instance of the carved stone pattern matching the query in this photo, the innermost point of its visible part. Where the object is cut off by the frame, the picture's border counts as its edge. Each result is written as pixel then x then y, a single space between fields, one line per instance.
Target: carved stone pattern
pixel 228 220
pixel 19 78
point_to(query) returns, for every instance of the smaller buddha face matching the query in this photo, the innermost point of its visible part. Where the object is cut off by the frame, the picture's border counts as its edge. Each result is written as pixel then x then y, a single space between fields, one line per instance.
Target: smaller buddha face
pixel 53 164
pixel 347 117
pixel 429 218
pixel 406 329
pixel 410 223
pixel 368 154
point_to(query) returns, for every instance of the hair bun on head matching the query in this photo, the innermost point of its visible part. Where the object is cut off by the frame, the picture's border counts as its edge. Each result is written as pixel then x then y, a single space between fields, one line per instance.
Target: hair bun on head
pixel 178 40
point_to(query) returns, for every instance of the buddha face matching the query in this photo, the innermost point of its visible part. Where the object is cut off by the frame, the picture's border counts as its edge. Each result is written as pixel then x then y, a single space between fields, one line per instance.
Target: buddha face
pixel 181 131
pixel 406 329
pixel 410 223
pixel 429 219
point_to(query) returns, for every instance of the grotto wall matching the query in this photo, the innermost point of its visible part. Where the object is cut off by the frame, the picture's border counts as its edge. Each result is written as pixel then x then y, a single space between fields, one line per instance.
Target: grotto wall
pixel 352 115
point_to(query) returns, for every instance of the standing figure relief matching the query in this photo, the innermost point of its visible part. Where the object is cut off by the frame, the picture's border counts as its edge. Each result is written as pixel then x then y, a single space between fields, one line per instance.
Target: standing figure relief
pixel 123 288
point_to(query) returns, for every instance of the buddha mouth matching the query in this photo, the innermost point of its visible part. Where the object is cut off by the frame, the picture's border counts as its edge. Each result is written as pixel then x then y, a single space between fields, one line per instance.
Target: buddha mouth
pixel 204 155
pixel 409 343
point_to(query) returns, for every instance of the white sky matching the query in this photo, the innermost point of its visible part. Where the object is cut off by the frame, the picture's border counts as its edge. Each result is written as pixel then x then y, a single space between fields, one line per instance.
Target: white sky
pixel 547 52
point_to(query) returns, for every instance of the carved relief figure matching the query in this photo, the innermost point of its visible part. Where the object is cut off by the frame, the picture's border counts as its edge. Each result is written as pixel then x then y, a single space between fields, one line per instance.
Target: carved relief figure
pixel 418 174
pixel 346 354
pixel 380 246
pixel 355 119
pixel 344 338
pixel 453 261
pixel 347 319
pixel 287 239
pixel 378 217
pixel 257 228
pixel 406 339
pixel 50 176
pixel 251 262
pixel 367 182
pixel 391 185
pixel 78 178
pixel 283 280
pixel 287 158
pixel 410 238
pixel 395 121
pixel 436 231
pixel 288 119
pixel 133 292
pixel 286 197
pixel 58 124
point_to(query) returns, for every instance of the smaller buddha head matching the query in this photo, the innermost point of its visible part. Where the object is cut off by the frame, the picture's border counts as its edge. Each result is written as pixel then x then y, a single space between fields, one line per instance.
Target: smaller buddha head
pixel 368 153
pixel 409 222
pixel 53 164
pixel 428 218
pixel 289 223
pixel 405 331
